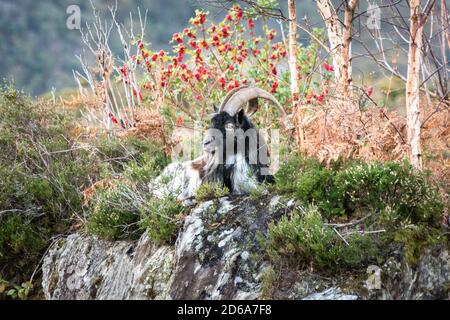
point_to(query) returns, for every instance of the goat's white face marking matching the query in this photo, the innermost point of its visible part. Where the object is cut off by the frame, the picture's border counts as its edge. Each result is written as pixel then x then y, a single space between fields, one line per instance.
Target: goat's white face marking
pixel 230 127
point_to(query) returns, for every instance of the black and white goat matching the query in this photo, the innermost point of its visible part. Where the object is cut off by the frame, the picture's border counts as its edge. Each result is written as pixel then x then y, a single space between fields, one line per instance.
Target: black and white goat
pixel 235 153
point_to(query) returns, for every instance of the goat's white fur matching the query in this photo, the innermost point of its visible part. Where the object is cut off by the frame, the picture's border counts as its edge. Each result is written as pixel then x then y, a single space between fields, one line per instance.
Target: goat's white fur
pixel 242 176
pixel 181 180
pixel 184 179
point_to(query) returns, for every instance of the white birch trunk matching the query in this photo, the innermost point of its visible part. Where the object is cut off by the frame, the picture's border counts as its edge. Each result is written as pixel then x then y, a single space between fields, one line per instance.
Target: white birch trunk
pixel 413 83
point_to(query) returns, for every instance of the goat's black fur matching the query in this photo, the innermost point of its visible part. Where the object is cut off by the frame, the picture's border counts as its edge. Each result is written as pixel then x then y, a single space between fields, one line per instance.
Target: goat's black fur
pixel 223 172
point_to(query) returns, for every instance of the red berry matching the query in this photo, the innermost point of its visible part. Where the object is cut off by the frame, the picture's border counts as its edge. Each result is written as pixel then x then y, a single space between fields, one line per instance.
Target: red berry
pixel 250 23
pixel 274 87
pixel 328 67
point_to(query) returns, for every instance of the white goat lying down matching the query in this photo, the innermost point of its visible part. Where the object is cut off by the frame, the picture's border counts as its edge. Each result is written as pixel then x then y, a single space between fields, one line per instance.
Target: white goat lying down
pixel 235 154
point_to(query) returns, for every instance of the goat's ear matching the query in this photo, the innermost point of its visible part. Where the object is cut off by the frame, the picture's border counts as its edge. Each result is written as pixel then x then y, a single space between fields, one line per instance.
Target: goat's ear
pixel 253 106
pixel 216 108
pixel 240 116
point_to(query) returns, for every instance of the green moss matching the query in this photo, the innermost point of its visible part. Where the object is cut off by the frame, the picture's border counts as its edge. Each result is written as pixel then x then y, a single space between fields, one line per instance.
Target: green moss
pixel 269 279
pixel 415 238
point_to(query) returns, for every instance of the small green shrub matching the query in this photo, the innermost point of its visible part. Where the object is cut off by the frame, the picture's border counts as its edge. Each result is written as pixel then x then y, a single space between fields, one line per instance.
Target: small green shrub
pixel 125 212
pixel 311 182
pixel 289 174
pixel 210 190
pixel 257 193
pixel 114 213
pixel 42 172
pixel 161 218
pixel 398 185
pixel 149 166
pixel 20 238
pixel 20 292
pixel 302 240
pixel 131 151
pixel 400 199
pixel 346 188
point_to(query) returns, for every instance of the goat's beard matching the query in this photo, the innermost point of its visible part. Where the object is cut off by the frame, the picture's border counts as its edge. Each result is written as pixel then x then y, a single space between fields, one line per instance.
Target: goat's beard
pixel 214 168
pixel 238 176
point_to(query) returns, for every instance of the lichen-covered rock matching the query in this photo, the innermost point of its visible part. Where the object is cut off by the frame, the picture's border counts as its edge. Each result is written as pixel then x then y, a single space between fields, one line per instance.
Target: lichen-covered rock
pixel 217 256
pixel 214 252
pixel 84 267
pixel 429 279
pixel 331 294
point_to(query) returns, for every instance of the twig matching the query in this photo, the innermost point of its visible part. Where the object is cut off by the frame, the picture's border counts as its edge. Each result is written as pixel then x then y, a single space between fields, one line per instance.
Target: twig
pixel 350 224
pixel 340 236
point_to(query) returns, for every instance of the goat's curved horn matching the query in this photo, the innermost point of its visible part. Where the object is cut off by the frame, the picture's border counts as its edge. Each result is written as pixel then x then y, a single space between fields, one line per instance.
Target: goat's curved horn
pixel 236 98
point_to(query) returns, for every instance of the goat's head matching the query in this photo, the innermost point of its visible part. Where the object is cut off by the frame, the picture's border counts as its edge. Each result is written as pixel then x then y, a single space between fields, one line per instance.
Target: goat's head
pixel 232 133
pixel 231 120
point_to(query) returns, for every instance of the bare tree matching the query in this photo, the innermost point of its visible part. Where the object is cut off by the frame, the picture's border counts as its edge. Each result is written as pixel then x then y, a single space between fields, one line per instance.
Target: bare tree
pixel 340 38
pixel 418 34
pixel 418 19
pixel 292 61
pixel 117 100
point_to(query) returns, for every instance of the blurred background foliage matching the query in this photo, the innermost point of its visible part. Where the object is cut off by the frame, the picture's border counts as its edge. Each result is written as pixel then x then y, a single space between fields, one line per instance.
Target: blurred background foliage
pixel 38 50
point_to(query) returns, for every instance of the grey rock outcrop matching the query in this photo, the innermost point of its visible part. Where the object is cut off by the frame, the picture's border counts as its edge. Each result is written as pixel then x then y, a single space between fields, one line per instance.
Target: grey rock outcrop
pixel 429 279
pixel 217 256
pixel 212 259
pixel 84 267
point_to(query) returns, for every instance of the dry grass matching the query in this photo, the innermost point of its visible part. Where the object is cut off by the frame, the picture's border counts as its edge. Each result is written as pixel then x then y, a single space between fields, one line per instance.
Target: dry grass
pixel 334 131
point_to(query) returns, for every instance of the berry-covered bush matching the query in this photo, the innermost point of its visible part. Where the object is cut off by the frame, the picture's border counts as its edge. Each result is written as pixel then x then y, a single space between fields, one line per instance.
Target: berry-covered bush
pixel 210 59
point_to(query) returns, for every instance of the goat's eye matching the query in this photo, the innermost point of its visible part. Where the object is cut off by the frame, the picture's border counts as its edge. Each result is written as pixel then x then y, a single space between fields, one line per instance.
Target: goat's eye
pixel 229 126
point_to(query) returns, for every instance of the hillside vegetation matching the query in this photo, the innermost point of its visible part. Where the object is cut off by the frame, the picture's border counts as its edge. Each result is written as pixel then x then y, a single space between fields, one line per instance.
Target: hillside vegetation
pixel 82 163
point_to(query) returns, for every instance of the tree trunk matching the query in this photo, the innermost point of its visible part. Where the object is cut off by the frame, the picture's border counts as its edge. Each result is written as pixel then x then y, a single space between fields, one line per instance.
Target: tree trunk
pixel 445 36
pixel 413 83
pixel 293 49
pixel 334 33
pixel 292 60
pixel 346 72
pixel 340 39
pixel 445 20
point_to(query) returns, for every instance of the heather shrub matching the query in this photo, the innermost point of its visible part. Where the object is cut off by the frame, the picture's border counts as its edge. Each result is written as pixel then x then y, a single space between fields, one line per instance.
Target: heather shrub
pixel 345 188
pixel 210 190
pixel 161 219
pixel 114 213
pixel 42 174
pixel 302 240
